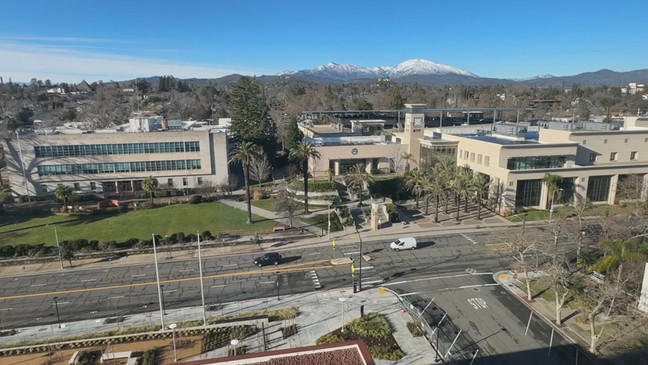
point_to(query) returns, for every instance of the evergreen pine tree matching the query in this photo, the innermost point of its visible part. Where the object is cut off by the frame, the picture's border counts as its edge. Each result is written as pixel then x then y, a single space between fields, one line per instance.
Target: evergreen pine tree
pixel 251 120
pixel 293 135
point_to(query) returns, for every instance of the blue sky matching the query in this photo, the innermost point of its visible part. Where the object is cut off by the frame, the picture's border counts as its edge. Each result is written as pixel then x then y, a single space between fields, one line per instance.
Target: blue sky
pixel 73 40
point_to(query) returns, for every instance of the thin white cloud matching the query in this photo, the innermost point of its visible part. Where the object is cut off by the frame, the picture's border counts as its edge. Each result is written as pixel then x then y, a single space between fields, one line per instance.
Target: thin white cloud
pixel 22 62
pixel 62 39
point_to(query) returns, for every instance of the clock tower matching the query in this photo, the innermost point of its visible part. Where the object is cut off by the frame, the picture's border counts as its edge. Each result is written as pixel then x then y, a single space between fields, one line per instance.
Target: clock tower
pixel 414 126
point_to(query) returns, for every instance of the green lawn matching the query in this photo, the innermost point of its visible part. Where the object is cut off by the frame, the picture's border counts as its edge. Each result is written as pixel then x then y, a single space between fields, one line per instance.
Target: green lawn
pixel 567 211
pixel 267 204
pixel 188 218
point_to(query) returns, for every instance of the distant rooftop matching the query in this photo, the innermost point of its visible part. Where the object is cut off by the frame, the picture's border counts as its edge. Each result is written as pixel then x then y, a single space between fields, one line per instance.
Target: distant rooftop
pixel 579 126
pixel 501 140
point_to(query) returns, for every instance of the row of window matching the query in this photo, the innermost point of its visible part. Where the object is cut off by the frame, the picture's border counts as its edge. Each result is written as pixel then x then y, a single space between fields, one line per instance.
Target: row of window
pixel 115 149
pixel 535 162
pixel 605 141
pixel 481 159
pixel 117 167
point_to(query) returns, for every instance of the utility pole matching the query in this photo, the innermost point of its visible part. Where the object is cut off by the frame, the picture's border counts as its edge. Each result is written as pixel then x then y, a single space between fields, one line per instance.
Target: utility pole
pixel 360 268
pixel 202 288
pixel 58 317
pixel 58 245
pixel 157 277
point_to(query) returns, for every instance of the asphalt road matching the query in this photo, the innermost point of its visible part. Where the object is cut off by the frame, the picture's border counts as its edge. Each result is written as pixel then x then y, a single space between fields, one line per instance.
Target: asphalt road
pixel 452 269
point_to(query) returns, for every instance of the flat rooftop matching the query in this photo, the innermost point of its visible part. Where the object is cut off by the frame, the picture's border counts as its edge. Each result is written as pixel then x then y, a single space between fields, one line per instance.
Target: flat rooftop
pixel 504 141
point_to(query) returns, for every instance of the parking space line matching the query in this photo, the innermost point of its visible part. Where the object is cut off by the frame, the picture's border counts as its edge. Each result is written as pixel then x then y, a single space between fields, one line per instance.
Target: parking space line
pixel 469 239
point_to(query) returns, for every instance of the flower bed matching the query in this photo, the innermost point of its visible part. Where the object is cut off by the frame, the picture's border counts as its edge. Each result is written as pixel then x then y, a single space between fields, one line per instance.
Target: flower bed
pixel 374 330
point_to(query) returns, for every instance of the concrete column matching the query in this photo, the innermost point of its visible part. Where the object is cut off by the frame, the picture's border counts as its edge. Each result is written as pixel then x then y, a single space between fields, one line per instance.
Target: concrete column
pixel 133 186
pixel 544 196
pixel 336 165
pixel 644 188
pixel 369 166
pixel 613 188
pixel 580 187
pixel 117 187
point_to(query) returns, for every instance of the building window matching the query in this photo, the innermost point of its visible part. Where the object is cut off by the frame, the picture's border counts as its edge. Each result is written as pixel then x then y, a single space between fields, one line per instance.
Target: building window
pixel 43 188
pixel 535 162
pixel 466 153
pixel 118 167
pixel 566 192
pixel 184 181
pixel 633 155
pixel 625 140
pixel 479 158
pixel 199 180
pixel 472 156
pixel 584 142
pixel 93 185
pixel 486 160
pixel 115 149
pixel 598 188
pixel 605 141
pixel 528 193
pixel 77 187
pixel 613 156
pixel 592 157
pixel 170 182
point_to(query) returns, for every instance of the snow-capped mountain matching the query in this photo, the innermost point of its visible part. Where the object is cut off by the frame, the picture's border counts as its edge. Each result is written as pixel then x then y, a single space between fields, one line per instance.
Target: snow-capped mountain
pixel 346 72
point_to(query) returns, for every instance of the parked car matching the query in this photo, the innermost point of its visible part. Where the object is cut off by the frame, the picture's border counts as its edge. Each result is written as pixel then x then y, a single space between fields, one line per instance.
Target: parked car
pixel 406 243
pixel 268 259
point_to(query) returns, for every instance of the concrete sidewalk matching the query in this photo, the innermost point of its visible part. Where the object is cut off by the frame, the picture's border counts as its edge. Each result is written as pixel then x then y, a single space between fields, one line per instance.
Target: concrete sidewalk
pixel 281 218
pixel 319 313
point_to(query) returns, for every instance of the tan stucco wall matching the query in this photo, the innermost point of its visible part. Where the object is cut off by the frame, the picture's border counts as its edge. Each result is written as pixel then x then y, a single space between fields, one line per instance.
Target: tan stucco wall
pixel 319 167
pixel 212 156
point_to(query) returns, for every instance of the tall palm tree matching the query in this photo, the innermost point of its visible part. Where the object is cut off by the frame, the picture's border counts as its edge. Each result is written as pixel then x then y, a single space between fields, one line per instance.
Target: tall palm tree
pixel 446 169
pixel 245 153
pixel 303 152
pixel 150 184
pixel 553 187
pixel 357 178
pixel 414 182
pixel 461 186
pixel 63 193
pixel 480 188
pixel 434 187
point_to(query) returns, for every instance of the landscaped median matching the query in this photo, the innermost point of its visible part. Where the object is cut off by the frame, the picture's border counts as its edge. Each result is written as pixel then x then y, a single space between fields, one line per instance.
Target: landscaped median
pixel 218 333
pixel 374 330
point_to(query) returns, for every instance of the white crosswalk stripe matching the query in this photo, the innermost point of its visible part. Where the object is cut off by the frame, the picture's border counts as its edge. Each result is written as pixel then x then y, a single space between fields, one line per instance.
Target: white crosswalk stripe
pixel 315 279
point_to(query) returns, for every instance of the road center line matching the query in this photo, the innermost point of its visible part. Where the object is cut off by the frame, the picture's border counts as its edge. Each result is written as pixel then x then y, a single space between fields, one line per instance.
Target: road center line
pixel 306 266
pixel 38 284
pixel 86 280
pixel 352 253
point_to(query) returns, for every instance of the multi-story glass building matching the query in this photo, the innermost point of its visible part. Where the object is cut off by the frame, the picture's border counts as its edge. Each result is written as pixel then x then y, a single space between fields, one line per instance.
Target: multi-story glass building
pixel 117 162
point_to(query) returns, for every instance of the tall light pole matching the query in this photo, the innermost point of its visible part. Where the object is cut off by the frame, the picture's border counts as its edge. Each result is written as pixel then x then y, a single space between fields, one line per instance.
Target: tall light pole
pixel 329 222
pixel 58 317
pixel 58 245
pixel 202 288
pixel 157 277
pixel 173 326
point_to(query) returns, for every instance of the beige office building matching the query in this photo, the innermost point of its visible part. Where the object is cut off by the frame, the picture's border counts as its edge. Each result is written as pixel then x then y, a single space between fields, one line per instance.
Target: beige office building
pixel 115 163
pixel 603 163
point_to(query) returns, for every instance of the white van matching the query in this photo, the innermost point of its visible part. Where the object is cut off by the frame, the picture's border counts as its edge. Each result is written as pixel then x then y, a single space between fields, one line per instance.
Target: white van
pixel 406 243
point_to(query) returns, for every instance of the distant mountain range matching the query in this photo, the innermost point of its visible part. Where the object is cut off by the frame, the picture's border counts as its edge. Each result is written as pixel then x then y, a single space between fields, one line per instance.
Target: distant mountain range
pixel 426 72
pixel 431 73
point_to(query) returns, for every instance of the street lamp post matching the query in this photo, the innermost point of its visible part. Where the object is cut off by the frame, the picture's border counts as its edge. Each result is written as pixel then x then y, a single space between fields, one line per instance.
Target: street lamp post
pixel 173 326
pixel 278 286
pixel 58 245
pixel 58 317
pixel 157 277
pixel 202 288
pixel 342 300
pixel 329 222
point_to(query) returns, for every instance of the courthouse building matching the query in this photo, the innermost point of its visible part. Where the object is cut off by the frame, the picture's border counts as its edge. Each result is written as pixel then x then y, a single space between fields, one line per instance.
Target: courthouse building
pixel 600 162
pixel 116 161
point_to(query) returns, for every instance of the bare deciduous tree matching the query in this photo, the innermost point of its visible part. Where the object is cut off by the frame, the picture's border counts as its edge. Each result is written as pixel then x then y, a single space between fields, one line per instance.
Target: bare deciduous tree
pixel 260 168
pixel 521 250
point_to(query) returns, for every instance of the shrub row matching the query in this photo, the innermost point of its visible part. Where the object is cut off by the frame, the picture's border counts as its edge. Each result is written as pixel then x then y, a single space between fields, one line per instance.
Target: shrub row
pixel 83 245
pixel 216 336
